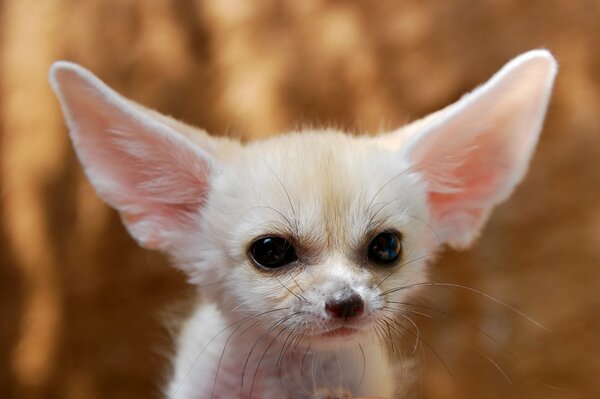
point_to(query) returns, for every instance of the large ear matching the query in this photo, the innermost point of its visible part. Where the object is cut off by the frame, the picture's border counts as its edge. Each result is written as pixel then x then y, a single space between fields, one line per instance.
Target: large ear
pixel 473 153
pixel 138 161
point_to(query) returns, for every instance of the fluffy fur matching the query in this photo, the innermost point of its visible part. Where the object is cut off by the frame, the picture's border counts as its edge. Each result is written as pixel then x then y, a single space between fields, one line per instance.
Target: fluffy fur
pixel 204 201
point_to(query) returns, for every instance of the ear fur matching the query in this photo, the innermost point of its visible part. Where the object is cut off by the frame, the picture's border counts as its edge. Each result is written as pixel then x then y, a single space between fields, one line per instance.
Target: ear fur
pixel 473 153
pixel 157 177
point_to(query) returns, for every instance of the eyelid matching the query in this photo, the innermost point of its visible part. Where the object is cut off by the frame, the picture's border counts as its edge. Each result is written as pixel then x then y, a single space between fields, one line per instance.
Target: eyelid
pixel 309 249
pixel 250 241
pixel 379 228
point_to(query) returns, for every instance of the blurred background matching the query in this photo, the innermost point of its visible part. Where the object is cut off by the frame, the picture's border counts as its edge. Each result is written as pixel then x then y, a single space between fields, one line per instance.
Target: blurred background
pixel 83 310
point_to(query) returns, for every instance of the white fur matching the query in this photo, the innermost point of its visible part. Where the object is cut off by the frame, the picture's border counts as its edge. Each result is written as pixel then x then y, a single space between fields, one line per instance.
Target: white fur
pixel 204 201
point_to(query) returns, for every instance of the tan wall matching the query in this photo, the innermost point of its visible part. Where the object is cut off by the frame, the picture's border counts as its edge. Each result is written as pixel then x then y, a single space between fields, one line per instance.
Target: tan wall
pixel 81 308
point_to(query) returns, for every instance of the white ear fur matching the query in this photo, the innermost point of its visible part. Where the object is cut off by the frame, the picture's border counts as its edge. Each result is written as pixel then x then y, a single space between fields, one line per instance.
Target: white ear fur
pixel 138 163
pixel 473 153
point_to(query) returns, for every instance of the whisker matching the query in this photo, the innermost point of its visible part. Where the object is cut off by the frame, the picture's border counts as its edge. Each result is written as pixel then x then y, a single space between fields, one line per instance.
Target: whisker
pixel 269 330
pixel 378 328
pixel 370 222
pixel 480 352
pixel 284 347
pixel 263 357
pixel 426 223
pixel 466 322
pixel 387 183
pixel 287 194
pixel 197 358
pixel 256 322
pixel 297 285
pixel 388 343
pixel 416 329
pixel 299 297
pixel 340 369
pixel 304 356
pixel 406 310
pixel 435 352
pixel 258 226
pixel 287 220
pixel 298 337
pixel 492 361
pixel 452 285
pixel 364 360
pixel 283 369
pixel 397 268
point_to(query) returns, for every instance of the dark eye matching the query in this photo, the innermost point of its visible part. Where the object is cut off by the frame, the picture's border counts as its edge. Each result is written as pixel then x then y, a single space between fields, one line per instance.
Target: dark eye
pixel 385 248
pixel 272 252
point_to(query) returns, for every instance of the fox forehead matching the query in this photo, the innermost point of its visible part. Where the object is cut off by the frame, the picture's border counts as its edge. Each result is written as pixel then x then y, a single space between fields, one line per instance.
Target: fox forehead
pixel 328 189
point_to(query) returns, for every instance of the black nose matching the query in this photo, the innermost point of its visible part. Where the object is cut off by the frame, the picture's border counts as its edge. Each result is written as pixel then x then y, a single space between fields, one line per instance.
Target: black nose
pixel 348 305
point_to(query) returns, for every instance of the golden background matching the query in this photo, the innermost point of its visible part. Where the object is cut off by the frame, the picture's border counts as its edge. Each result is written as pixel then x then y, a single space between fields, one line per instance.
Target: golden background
pixel 82 309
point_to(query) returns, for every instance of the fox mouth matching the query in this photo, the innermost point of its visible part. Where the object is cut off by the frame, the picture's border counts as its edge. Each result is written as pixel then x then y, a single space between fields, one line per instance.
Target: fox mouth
pixel 339 332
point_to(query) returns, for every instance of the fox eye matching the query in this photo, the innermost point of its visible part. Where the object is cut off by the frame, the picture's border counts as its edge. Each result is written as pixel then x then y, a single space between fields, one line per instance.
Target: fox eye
pixel 385 248
pixel 272 252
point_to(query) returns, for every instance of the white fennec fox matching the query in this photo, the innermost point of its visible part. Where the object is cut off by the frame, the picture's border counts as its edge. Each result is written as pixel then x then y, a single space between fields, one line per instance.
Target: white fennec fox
pixel 305 245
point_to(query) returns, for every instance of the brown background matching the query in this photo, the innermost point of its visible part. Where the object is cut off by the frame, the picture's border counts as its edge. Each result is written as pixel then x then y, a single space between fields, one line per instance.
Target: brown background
pixel 82 309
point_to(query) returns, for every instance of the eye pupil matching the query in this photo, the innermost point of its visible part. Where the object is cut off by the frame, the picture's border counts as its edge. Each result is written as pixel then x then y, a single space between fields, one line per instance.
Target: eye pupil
pixel 272 252
pixel 385 248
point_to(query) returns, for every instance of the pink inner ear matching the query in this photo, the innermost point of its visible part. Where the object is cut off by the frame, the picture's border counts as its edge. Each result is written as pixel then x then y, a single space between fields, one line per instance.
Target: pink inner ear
pixel 473 153
pixel 155 177
pixel 470 164
pixel 156 180
pixel 462 155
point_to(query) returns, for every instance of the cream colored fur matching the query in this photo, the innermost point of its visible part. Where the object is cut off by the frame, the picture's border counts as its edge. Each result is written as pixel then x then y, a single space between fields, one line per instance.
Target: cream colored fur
pixel 203 201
